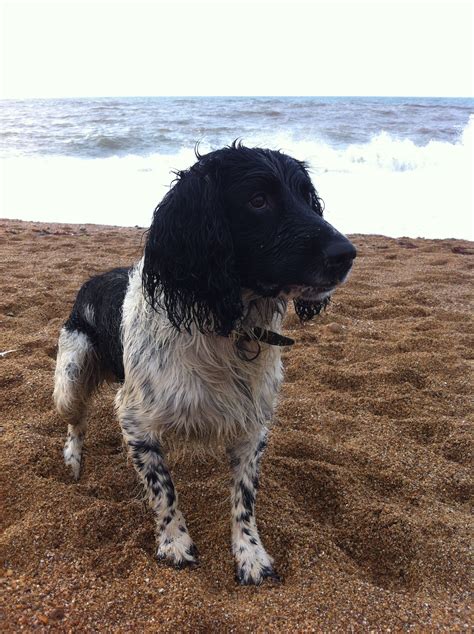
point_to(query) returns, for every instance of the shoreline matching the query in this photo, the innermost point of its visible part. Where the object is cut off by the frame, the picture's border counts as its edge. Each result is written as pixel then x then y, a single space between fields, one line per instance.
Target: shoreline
pixel 102 227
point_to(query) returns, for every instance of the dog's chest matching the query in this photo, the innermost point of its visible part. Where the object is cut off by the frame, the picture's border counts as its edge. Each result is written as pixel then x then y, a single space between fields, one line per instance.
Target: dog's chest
pixel 199 387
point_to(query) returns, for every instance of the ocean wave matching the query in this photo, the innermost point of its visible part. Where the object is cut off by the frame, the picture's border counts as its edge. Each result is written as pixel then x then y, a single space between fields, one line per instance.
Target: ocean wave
pixel 387 185
pixel 103 146
pixel 384 151
pixel 112 143
pixel 103 128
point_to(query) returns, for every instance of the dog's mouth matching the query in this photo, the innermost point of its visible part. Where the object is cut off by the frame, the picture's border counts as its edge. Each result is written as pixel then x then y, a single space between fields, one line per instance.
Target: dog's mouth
pixel 317 291
pixel 307 293
pixel 297 291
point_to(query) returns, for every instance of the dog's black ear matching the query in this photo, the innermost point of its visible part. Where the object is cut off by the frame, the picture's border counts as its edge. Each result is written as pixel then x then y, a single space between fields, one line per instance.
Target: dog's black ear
pixel 308 310
pixel 189 267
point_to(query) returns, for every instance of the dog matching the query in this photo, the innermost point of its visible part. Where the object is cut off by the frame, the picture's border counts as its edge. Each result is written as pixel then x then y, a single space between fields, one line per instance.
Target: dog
pixel 193 331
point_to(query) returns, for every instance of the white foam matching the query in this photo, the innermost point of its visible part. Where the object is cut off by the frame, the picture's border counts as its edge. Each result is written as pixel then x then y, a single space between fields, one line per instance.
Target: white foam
pixel 387 186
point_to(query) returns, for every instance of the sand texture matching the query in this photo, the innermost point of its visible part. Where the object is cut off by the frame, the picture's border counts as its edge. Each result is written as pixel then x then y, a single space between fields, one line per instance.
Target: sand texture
pixel 365 486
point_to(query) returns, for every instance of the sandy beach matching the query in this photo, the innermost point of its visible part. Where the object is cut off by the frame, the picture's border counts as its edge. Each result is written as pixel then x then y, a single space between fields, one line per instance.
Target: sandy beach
pixel 365 486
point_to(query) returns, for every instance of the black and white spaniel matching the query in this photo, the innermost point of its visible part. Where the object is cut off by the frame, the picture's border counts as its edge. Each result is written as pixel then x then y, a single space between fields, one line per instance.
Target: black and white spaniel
pixel 192 332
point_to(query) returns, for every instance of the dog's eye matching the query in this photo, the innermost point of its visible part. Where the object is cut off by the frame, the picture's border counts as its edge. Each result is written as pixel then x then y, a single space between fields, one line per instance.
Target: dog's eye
pixel 259 201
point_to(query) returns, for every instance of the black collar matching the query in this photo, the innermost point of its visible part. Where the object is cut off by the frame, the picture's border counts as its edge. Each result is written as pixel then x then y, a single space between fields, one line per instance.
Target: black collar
pixel 264 336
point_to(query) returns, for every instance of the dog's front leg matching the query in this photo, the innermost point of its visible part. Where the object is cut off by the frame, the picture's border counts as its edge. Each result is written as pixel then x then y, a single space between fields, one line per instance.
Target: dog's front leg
pixel 253 562
pixel 174 543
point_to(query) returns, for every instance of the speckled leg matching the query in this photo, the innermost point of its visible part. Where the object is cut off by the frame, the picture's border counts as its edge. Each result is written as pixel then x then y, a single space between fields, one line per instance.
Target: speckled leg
pixel 174 543
pixel 253 563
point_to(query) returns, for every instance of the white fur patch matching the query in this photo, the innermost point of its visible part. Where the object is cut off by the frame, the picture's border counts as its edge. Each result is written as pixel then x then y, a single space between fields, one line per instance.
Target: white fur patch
pixel 195 386
pixel 174 543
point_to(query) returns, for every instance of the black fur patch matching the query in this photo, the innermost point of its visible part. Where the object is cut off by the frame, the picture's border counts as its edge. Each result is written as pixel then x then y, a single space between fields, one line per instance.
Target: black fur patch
pixel 248 497
pixel 103 295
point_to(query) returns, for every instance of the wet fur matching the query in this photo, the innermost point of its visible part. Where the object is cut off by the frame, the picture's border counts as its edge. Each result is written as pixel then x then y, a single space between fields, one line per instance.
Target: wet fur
pixel 168 331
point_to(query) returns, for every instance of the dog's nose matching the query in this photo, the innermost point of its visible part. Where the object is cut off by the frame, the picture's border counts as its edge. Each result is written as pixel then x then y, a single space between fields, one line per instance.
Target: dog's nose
pixel 339 256
pixel 340 253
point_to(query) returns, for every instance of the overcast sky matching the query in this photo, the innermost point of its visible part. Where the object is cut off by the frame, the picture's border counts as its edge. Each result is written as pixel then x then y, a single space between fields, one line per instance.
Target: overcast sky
pixel 247 47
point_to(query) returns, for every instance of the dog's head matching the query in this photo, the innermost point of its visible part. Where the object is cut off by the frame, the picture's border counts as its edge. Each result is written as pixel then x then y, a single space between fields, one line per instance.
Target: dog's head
pixel 241 218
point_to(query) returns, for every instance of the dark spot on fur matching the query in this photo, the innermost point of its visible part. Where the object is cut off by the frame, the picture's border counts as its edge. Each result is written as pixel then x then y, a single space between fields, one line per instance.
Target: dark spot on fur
pixel 72 371
pixel 170 496
pixel 192 551
pixel 234 461
pixel 262 445
pixel 144 445
pixel 157 490
pixel 138 462
pixel 151 477
pixel 248 497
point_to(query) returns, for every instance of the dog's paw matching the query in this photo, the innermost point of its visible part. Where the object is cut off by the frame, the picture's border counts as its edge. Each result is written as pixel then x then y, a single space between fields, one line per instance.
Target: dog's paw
pixel 175 546
pixel 255 575
pixel 254 565
pixel 178 556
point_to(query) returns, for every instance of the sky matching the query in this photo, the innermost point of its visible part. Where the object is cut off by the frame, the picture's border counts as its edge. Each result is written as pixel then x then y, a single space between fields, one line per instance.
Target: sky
pixel 246 47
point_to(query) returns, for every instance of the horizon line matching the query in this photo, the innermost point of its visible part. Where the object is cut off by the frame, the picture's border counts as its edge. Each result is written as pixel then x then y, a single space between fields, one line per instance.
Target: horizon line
pixel 267 96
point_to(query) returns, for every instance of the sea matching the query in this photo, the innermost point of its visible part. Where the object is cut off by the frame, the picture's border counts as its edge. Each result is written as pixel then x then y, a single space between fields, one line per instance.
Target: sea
pixel 391 166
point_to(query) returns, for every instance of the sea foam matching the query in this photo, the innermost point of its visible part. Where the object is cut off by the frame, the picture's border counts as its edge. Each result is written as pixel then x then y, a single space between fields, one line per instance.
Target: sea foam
pixel 387 185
